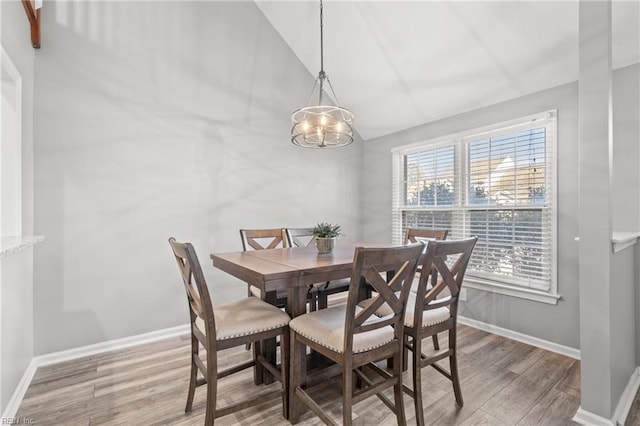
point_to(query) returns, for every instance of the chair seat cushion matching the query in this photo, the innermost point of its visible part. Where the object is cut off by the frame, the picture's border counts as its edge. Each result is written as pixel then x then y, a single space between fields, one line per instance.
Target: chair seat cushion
pixel 326 327
pixel 429 316
pixel 416 281
pixel 245 317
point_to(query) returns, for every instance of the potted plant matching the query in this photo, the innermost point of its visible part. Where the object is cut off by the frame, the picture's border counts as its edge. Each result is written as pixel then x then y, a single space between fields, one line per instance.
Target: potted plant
pixel 326 234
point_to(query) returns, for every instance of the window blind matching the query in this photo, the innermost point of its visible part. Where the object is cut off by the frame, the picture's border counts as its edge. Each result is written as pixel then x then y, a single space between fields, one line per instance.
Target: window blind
pixel 495 183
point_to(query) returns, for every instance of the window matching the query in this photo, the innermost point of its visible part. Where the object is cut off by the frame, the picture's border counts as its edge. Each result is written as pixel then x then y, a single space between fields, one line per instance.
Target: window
pixel 10 148
pixel 497 183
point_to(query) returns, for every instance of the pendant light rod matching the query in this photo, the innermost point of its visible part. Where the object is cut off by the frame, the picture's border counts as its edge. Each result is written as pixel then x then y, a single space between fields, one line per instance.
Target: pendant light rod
pixel 321 75
pixel 321 41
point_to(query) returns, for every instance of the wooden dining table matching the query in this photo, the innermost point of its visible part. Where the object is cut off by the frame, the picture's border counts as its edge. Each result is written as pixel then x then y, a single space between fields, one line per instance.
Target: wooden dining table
pixel 291 269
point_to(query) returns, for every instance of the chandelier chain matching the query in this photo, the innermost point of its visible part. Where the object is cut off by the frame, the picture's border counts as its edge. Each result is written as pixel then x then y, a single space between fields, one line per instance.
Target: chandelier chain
pixel 321 43
pixel 322 126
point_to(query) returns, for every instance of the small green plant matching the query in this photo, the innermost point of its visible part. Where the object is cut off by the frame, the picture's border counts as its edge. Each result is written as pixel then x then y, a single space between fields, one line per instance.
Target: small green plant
pixel 327 230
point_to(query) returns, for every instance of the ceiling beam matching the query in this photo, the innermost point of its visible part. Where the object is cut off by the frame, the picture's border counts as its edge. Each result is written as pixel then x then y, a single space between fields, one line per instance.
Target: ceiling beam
pixel 33 15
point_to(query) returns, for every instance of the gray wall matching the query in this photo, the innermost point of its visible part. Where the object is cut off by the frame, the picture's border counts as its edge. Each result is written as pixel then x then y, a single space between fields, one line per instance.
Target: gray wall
pixel 16 278
pixel 171 120
pixel 16 318
pixel 626 216
pixel 625 92
pixel 559 324
pixel 622 334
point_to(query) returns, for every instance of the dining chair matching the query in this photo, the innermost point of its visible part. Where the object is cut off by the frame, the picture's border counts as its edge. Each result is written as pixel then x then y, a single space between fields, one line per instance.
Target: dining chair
pixel 353 337
pixel 263 239
pixel 229 325
pixel 424 235
pixel 319 292
pixel 414 235
pixel 429 313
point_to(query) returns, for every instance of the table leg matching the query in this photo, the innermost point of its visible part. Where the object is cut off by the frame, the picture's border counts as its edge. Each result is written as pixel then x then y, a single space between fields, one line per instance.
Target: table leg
pixel 296 306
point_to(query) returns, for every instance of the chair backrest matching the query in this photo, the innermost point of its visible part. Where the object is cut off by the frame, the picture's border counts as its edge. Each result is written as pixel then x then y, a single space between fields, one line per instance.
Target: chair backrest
pixel 200 305
pixel 369 266
pixel 300 237
pixel 447 261
pixel 424 235
pixel 262 239
pixel 415 235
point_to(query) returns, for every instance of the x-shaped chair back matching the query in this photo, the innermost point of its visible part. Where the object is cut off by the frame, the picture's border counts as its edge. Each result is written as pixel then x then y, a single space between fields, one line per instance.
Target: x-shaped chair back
pixel 447 262
pixel 370 266
pixel 300 237
pixel 263 239
pixel 424 235
pixel 197 292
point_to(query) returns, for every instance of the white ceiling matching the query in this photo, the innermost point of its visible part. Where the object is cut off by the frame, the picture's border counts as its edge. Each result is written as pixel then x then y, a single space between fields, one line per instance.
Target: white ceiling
pixel 399 64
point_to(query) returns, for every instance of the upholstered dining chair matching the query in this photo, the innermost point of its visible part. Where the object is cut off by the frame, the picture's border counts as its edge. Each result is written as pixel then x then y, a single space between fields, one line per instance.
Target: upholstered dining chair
pixel 234 324
pixel 319 292
pixel 263 239
pixel 354 337
pixel 429 313
pixel 424 235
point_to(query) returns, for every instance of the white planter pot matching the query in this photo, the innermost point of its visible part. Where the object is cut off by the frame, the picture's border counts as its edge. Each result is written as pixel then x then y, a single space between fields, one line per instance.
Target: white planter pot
pixel 325 245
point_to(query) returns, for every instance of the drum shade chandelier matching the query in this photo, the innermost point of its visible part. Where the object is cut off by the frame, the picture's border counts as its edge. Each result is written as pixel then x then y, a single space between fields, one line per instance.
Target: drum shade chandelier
pixel 322 126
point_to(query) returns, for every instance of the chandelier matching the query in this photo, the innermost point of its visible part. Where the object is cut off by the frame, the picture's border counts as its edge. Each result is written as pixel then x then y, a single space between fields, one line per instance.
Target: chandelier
pixel 322 126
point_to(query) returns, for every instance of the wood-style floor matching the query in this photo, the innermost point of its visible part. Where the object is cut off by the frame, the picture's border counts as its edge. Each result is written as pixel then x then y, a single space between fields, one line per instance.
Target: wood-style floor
pixel 504 382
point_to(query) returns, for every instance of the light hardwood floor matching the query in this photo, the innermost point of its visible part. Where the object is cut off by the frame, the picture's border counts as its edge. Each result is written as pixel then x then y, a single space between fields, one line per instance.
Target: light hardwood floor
pixel 504 382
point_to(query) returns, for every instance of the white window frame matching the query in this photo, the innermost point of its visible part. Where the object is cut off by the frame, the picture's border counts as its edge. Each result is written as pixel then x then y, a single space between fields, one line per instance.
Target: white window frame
pixel 11 149
pixel 493 285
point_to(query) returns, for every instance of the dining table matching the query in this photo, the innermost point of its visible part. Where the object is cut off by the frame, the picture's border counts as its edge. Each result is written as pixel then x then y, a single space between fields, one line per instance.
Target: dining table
pixel 292 269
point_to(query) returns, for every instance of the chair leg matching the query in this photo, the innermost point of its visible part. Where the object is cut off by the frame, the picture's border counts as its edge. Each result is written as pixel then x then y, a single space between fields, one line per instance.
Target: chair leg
pixel 323 301
pixel 397 389
pixel 284 370
pixel 436 345
pixel 405 353
pixel 212 393
pixel 193 377
pixel 297 356
pixel 347 394
pixel 313 302
pixel 417 380
pixel 453 367
pixel 258 369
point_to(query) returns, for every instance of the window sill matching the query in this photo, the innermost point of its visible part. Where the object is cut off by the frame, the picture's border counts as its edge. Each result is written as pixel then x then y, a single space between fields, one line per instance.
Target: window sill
pixel 621 240
pixel 522 293
pixel 11 245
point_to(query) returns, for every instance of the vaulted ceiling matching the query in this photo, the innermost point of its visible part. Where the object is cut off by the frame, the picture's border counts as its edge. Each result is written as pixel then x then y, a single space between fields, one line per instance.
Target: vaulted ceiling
pixel 399 64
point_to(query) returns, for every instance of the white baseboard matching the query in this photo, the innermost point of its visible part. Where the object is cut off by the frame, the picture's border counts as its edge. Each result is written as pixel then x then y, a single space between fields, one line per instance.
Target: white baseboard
pixel 589 419
pixel 520 337
pixel 18 394
pixel 627 398
pixel 110 345
pixel 52 358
